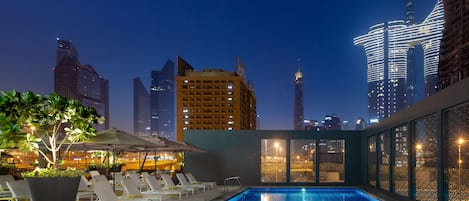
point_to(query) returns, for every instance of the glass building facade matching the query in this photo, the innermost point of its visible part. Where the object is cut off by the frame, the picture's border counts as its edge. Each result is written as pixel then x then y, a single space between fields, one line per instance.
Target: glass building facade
pixel 162 98
pixel 387 47
pixel 80 81
pixel 142 120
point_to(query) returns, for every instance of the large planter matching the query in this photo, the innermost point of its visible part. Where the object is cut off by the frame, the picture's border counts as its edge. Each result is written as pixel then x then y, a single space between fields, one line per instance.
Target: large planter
pixel 6 170
pixel 53 188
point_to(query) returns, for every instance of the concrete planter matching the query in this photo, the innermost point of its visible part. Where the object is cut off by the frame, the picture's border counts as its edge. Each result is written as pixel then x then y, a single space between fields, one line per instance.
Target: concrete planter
pixel 53 188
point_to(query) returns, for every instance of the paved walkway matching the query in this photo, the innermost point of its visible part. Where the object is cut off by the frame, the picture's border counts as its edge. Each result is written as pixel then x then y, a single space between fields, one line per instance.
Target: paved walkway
pixel 216 194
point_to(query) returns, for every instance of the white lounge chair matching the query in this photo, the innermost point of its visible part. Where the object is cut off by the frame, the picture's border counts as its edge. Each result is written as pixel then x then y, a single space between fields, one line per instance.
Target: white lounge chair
pixel 94 173
pixel 131 189
pixel 169 184
pixel 185 183
pixel 136 179
pixel 192 180
pixel 104 192
pixel 19 190
pixel 84 190
pixel 155 188
pixel 4 192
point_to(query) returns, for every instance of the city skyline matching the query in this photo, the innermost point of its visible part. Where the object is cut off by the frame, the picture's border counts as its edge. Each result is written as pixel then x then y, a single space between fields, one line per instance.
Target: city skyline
pixel 124 41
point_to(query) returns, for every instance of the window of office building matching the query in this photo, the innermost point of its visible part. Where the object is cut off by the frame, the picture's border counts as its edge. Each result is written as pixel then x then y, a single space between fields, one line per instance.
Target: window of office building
pixel 302 160
pixel 426 152
pixel 273 161
pixel 385 154
pixel 456 152
pixel 331 155
pixel 401 160
pixel 372 160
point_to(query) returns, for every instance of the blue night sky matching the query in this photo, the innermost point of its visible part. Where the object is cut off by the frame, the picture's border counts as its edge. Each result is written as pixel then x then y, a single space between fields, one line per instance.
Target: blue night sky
pixel 127 39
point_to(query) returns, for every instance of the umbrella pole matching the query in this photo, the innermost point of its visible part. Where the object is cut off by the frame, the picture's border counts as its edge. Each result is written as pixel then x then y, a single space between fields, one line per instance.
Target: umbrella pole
pixel 113 172
pixel 154 159
pixel 144 159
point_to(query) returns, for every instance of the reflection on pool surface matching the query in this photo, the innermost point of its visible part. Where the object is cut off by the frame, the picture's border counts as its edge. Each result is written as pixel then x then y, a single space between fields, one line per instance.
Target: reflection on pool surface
pixel 302 194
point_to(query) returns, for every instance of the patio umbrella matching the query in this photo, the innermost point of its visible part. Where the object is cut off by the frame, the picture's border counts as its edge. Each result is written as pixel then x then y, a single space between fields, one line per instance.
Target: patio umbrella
pixel 170 146
pixel 120 140
pixel 117 140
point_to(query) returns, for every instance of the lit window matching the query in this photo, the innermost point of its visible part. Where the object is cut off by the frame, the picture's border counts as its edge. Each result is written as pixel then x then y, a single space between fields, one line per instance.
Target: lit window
pixel 230 99
pixel 185 110
pixel 186 122
pixel 186 81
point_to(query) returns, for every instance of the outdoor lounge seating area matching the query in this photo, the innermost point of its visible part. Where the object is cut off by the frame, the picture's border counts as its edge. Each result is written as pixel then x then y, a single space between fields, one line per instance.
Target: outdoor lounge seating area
pixel 146 187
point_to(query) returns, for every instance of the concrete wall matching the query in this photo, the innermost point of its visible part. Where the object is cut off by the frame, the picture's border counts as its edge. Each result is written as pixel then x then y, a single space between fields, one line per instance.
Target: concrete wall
pixel 238 153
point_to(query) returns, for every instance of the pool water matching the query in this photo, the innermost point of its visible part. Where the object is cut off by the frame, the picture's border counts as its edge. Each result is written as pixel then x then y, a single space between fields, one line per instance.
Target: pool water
pixel 303 194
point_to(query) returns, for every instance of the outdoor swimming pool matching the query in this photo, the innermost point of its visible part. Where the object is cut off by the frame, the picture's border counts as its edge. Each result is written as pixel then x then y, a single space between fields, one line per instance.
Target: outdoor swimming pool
pixel 302 194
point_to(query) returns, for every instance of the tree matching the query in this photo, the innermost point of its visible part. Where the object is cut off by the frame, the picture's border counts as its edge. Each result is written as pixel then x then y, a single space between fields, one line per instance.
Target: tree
pixel 32 122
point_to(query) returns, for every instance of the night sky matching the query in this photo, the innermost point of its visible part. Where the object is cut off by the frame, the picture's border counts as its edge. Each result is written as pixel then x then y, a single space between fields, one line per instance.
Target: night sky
pixel 127 39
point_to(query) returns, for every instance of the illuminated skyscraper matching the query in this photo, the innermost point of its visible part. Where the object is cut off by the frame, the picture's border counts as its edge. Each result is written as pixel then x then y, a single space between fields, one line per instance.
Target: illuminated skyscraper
pixel 80 82
pixel 298 114
pixel 213 99
pixel 387 46
pixel 162 101
pixel 142 115
pixel 454 56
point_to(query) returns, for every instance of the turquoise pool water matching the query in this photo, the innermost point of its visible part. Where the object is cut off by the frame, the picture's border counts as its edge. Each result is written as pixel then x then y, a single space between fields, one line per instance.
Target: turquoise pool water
pixel 302 194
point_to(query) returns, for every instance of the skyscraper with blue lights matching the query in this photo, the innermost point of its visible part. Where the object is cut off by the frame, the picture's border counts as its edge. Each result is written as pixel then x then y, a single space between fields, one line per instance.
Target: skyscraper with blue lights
pixel 387 48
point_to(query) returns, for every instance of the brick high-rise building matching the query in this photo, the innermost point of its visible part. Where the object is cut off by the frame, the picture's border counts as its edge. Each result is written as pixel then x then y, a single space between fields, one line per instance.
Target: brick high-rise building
pixel 454 52
pixel 213 99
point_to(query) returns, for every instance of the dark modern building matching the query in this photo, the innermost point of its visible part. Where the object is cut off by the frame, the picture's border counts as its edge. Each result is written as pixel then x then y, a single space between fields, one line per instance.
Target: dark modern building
pixel 360 124
pixel 81 82
pixel 162 98
pixel 312 125
pixel 454 52
pixel 332 122
pixel 142 115
pixel 213 99
pixel 298 110
pixel 391 73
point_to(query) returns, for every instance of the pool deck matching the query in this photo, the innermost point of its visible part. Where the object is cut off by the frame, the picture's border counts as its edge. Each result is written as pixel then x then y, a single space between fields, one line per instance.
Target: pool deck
pixel 219 193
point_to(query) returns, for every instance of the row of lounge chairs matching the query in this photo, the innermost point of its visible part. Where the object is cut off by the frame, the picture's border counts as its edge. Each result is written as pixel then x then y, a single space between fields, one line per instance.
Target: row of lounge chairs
pixel 134 187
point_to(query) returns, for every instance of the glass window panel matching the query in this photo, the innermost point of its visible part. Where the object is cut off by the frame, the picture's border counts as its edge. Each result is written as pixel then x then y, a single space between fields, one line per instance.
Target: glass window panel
pixel 457 155
pixel 273 161
pixel 426 153
pixel 331 160
pixel 302 157
pixel 401 161
pixel 372 160
pixel 384 162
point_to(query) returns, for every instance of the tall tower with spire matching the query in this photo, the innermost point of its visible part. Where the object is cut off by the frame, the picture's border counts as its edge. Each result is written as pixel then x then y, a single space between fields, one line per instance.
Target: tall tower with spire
pixel 298 116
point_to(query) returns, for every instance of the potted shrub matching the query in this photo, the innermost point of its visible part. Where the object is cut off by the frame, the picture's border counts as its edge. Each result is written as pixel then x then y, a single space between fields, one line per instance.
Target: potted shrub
pixel 46 125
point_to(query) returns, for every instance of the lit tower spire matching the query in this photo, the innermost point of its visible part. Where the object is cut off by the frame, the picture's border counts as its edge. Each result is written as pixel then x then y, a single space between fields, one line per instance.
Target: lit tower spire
pixel 298 115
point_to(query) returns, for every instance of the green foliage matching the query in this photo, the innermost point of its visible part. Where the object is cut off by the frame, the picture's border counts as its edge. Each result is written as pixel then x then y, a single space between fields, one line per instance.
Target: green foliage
pixel 32 122
pixel 7 165
pixel 46 172
pixel 104 165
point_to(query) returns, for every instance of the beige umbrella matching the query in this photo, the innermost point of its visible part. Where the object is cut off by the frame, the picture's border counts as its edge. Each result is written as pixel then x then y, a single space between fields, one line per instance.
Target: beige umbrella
pixel 116 141
pixel 170 146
